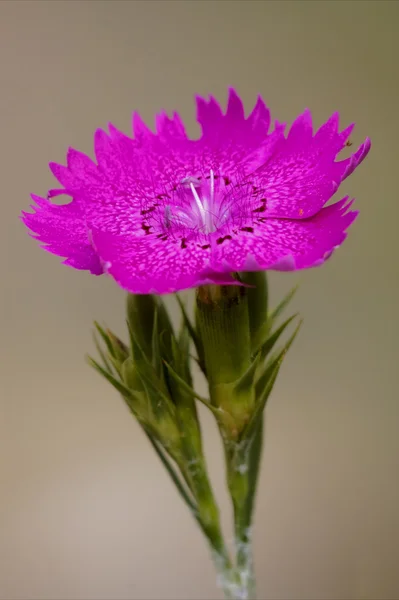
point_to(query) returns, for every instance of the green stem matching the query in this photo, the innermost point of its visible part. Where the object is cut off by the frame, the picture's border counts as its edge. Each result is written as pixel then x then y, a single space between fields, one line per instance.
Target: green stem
pixel 242 475
pixel 207 517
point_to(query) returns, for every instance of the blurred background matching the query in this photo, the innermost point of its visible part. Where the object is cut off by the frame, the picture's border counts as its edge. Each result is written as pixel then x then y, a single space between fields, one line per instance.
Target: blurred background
pixel 86 511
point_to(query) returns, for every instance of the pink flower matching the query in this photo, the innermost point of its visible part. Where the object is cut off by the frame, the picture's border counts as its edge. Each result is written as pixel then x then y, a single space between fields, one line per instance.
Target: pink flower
pixel 161 212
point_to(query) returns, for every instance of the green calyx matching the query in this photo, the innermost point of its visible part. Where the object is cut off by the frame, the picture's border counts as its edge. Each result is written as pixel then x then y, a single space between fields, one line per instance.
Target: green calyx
pixel 236 338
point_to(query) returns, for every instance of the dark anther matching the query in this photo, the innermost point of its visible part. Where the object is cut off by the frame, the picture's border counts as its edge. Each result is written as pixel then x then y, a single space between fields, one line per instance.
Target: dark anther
pixel 206 246
pixel 262 208
pixel 162 236
pixel 226 180
pixel 183 243
pixel 146 228
pixel 222 239
pixel 249 229
pixel 148 210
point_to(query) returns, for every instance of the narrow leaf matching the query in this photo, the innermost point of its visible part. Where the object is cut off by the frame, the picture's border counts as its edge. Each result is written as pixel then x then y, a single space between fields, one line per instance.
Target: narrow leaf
pixel 264 386
pixel 187 322
pixel 255 454
pixel 280 307
pixel 270 376
pixel 139 356
pixel 264 346
pixel 118 385
pixel 193 334
pixel 261 382
pixel 190 390
pixel 183 363
pixel 246 380
pixel 106 339
pixel 102 354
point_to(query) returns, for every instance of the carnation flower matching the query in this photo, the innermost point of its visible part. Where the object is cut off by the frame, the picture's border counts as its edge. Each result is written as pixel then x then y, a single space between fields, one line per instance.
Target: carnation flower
pixel 161 212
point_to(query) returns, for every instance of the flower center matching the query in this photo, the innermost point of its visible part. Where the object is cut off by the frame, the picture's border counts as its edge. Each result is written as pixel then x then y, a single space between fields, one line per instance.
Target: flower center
pixel 205 205
pixel 197 205
pixel 200 204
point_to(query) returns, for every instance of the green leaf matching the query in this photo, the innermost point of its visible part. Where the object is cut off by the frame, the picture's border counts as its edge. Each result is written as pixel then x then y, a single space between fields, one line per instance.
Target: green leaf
pixel 101 352
pixel 264 386
pixel 190 390
pixel 263 377
pixel 280 308
pixel 118 385
pixel 187 322
pixel 182 365
pixel 193 334
pixel 140 357
pixel 246 381
pixel 254 458
pixel 266 341
pixel 106 339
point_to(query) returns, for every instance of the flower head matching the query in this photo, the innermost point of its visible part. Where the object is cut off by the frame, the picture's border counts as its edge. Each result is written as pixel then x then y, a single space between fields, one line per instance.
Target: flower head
pixel 161 212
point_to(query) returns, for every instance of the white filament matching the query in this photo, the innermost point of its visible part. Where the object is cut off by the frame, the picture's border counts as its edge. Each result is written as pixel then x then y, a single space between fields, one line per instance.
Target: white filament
pixel 198 202
pixel 204 205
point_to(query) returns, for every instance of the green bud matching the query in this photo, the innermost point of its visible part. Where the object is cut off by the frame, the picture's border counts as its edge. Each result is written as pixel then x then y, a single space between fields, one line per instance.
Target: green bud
pixel 141 311
pixel 116 351
pixel 140 315
pixel 120 350
pixel 131 377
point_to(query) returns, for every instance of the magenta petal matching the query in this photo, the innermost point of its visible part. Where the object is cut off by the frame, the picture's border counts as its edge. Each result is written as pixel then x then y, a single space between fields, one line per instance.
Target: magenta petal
pixel 235 108
pixel 301 130
pixel 170 129
pixel 209 116
pixel 259 119
pixel 141 131
pixel 328 131
pixel 283 244
pixel 356 159
pixel 80 170
pixel 62 231
pixel 148 265
pixel 303 174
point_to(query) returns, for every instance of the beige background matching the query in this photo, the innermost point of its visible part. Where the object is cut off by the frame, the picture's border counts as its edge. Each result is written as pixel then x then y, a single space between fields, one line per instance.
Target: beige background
pixel 86 511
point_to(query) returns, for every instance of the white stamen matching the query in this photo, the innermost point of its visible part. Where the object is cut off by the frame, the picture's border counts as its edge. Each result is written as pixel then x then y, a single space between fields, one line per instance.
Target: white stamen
pixel 198 203
pixel 212 189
